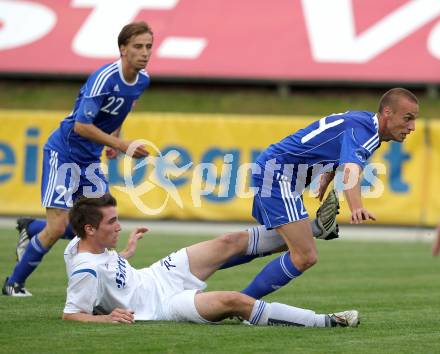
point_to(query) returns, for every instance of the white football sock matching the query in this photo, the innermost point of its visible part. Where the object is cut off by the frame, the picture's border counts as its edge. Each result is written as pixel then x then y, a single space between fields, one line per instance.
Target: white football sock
pixel 263 241
pixel 276 314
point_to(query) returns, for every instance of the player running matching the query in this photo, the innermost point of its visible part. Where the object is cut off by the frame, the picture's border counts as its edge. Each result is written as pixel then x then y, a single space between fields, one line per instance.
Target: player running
pixel 71 162
pixel 346 140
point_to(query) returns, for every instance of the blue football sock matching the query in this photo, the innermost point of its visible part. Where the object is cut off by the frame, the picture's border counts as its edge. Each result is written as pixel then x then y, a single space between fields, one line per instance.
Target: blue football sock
pixel 237 260
pixel 273 276
pixel 35 227
pixel 31 259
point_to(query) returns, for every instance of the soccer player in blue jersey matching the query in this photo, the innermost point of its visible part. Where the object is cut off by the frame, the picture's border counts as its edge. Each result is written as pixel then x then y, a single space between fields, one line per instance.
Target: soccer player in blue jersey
pixel 345 141
pixel 71 162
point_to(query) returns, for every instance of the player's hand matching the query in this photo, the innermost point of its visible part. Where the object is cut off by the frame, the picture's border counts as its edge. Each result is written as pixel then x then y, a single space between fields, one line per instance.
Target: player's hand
pixel 111 153
pixel 358 216
pixel 133 239
pixel 122 316
pixel 136 235
pixel 138 151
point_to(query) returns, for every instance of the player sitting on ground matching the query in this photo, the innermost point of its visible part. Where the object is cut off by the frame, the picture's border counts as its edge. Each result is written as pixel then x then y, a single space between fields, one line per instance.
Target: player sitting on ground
pixel 262 242
pixel 103 287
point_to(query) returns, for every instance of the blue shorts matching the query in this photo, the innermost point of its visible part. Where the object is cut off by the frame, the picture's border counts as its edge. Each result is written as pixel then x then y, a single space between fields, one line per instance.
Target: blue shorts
pixel 63 181
pixel 276 203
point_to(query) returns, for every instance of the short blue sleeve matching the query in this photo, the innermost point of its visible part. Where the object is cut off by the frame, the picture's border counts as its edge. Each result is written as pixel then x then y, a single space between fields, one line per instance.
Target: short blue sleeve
pixel 89 108
pixel 352 150
pixel 93 94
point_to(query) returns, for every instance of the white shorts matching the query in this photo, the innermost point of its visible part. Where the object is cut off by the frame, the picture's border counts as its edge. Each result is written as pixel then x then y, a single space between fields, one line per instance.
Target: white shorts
pixel 178 287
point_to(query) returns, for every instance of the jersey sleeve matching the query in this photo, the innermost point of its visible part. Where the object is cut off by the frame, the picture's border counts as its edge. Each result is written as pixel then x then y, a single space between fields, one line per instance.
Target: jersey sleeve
pixel 357 147
pixel 89 108
pixel 95 91
pixel 82 291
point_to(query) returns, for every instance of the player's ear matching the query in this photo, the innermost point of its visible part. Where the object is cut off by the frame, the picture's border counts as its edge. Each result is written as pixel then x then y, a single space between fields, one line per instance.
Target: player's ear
pixel 89 229
pixel 122 50
pixel 387 110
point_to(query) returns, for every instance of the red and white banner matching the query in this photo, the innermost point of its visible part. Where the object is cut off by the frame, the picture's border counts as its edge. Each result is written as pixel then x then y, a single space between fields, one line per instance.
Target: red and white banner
pixel 344 40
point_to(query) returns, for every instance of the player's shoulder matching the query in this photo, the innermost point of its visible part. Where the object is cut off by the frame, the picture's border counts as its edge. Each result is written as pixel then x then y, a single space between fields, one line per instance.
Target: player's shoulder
pixel 82 266
pixel 98 82
pixel 363 120
pixel 144 74
pixel 78 262
pixel 366 129
pixel 144 78
pixel 105 70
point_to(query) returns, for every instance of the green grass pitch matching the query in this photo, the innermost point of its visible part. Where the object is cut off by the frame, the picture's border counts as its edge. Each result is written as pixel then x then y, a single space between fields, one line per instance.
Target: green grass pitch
pixel 395 286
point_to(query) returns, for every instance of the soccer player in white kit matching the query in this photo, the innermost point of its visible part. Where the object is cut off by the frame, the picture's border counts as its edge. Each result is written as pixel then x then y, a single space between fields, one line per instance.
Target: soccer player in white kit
pixel 103 287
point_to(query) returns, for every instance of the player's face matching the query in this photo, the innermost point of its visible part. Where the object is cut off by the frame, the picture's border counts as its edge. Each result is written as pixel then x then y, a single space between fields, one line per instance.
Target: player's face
pixel 107 233
pixel 401 120
pixel 138 50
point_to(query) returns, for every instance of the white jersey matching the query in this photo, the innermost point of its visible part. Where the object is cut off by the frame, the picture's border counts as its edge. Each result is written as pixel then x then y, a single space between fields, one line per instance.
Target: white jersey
pixel 99 283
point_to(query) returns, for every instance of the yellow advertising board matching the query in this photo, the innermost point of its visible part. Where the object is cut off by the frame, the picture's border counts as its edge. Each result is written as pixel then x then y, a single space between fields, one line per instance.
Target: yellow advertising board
pixel 431 174
pixel 207 158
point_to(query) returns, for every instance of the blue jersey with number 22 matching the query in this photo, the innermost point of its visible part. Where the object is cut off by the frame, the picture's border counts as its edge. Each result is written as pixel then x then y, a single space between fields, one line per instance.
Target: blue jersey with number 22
pixel 104 101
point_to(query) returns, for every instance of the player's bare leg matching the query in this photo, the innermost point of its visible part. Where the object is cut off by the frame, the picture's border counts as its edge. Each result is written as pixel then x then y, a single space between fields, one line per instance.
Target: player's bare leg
pixel 208 256
pixel 217 305
pixel 299 238
pixel 264 242
pixel 280 271
pixel 57 221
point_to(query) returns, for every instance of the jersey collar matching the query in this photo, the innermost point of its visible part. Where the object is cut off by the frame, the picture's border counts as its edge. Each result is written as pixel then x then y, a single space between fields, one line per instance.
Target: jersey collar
pixel 121 75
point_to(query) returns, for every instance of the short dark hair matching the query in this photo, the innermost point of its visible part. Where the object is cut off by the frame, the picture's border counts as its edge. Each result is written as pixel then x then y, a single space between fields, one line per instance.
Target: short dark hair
pixel 133 29
pixel 391 97
pixel 87 211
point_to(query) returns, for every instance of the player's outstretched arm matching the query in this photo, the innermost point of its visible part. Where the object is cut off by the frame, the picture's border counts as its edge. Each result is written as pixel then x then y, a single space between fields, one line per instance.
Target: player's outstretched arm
pixel 352 191
pixel 93 133
pixel 117 316
pixel 134 237
pixel 110 152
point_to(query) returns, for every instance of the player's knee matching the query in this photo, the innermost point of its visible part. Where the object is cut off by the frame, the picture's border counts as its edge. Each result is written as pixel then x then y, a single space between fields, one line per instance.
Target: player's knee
pixel 233 242
pixel 234 301
pixel 311 260
pixel 55 231
pixel 305 261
